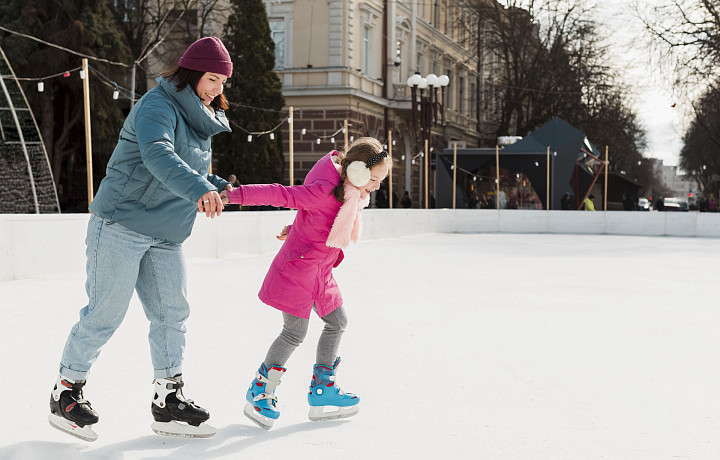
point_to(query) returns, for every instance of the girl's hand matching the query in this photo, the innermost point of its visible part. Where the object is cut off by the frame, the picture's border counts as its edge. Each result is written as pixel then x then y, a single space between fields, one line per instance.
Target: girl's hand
pixel 283 234
pixel 211 204
pixel 224 196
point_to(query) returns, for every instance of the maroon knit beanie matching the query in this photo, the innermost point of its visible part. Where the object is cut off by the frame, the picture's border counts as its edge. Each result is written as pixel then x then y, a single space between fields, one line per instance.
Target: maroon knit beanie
pixel 207 55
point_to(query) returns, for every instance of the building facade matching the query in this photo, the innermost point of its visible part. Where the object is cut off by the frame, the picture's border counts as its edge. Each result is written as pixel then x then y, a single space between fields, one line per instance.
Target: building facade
pixel 349 61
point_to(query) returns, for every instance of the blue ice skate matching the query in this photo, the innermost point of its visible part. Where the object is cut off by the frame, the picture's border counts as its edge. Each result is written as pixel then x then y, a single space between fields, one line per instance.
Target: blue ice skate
pixel 261 405
pixel 327 401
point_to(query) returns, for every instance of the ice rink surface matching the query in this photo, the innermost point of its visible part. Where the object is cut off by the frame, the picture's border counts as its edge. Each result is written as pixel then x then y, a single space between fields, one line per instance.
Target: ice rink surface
pixel 491 346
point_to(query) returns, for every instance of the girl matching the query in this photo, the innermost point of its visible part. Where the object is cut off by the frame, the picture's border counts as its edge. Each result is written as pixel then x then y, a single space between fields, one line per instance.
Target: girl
pixel 157 181
pixel 300 277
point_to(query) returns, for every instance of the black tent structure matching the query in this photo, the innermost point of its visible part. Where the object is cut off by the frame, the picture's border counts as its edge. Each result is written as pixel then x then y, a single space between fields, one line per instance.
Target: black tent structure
pixel 523 169
pixel 26 180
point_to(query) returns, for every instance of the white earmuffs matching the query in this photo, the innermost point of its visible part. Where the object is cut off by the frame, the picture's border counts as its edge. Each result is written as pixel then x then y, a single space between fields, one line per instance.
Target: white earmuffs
pixel 358 173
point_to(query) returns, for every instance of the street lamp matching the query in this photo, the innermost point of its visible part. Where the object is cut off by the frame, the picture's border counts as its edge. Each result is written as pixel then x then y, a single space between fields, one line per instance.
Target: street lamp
pixel 428 106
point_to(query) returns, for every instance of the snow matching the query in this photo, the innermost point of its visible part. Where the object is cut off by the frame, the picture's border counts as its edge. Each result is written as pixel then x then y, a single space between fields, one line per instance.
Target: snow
pixel 502 346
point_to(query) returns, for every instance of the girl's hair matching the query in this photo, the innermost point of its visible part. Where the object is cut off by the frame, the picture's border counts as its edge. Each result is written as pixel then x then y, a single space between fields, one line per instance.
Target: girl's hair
pixel 360 150
pixel 183 77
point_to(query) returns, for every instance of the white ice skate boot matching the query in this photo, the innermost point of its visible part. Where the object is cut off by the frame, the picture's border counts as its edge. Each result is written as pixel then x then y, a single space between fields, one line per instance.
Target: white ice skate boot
pixel 70 412
pixel 176 416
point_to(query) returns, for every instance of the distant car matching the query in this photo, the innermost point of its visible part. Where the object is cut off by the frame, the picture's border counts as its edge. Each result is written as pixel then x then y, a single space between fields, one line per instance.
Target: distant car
pixel 674 204
pixel 643 204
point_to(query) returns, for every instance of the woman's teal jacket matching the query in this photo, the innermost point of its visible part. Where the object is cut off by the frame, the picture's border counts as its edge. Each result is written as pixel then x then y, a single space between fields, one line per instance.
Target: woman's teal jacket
pixel 159 168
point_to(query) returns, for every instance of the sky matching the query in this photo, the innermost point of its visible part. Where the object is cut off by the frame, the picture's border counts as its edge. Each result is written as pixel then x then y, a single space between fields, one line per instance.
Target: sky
pixel 489 346
pixel 652 93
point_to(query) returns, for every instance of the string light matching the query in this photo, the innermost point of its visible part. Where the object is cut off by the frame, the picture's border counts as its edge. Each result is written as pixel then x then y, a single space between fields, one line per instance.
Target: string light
pixel 249 137
pixel 272 136
pixel 116 93
pixel 303 131
pixel 82 75
pixel 41 86
pixel 318 141
pixel 332 140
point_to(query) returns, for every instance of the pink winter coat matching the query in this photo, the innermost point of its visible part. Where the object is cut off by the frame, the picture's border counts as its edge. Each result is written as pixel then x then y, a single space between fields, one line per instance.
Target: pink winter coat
pixel 301 273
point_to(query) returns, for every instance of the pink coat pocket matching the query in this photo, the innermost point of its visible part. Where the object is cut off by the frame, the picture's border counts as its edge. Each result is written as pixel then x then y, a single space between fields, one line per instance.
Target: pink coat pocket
pixel 299 253
pixel 341 256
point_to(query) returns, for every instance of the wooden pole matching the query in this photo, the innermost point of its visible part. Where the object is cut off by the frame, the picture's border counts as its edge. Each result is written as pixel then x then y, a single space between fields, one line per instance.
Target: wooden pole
pixel 427 159
pixel 291 136
pixel 607 170
pixel 497 177
pixel 390 184
pixel 547 196
pixel 88 138
pixel 455 173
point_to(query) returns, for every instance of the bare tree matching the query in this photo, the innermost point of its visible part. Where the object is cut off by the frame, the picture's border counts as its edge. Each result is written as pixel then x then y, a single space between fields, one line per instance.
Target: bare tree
pixel 686 34
pixel 549 59
pixel 155 28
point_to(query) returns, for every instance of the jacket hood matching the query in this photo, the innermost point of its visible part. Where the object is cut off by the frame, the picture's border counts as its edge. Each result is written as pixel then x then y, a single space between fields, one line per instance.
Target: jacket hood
pixel 194 111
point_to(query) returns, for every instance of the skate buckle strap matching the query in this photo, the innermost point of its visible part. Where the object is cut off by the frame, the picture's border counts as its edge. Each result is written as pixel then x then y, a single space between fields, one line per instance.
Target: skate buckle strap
pixel 264 379
pixel 262 396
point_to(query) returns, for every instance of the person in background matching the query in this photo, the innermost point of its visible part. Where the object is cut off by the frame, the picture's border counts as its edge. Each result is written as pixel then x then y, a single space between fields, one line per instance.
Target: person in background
pixel 589 203
pixel 565 202
pixel 157 181
pixel 232 178
pixel 406 202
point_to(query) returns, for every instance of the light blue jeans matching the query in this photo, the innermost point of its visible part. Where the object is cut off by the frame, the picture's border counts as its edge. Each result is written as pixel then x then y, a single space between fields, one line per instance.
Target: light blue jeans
pixel 118 262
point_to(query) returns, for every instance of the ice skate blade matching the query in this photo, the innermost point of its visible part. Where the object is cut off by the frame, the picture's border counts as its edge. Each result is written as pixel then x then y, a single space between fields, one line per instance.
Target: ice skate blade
pixel 183 430
pixel 85 433
pixel 259 419
pixel 318 413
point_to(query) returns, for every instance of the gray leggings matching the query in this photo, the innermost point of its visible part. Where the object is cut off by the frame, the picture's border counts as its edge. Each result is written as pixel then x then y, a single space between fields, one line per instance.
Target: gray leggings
pixel 294 331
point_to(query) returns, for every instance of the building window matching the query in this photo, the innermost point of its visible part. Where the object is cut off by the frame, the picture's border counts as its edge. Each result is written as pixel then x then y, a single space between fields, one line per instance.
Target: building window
pixel 473 100
pixel 448 93
pixel 366 49
pixel 461 95
pixel 399 59
pixel 277 32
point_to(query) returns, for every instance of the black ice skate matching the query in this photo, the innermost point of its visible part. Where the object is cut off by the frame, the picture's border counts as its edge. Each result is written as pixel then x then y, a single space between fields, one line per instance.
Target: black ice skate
pixel 176 416
pixel 70 412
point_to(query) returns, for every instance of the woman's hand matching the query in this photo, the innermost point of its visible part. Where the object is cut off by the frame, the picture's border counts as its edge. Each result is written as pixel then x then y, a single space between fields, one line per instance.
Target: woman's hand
pixel 210 204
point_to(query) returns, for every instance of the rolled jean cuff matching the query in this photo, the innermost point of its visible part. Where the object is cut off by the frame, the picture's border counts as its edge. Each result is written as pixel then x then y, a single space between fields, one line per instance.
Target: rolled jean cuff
pixel 167 373
pixel 73 375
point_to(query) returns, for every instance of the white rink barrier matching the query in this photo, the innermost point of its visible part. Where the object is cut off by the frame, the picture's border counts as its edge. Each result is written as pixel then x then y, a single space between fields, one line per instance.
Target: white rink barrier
pixel 51 243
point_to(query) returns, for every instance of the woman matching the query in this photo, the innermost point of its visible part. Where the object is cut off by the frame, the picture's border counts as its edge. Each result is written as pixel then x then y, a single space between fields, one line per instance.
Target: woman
pixel 157 181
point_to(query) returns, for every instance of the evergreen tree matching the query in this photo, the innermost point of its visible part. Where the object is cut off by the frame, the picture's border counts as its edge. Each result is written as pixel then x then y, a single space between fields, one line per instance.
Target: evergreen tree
pixel 85 27
pixel 255 97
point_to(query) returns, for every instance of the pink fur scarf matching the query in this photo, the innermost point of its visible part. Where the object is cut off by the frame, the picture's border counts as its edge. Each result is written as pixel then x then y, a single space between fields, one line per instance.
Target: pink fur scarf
pixel 348 224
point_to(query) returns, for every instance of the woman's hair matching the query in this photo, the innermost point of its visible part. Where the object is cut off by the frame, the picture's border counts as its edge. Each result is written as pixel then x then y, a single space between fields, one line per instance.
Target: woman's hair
pixel 360 150
pixel 183 77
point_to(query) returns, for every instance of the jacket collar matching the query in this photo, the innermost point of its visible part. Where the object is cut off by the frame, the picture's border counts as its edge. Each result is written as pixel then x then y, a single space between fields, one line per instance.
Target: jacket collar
pixel 194 111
